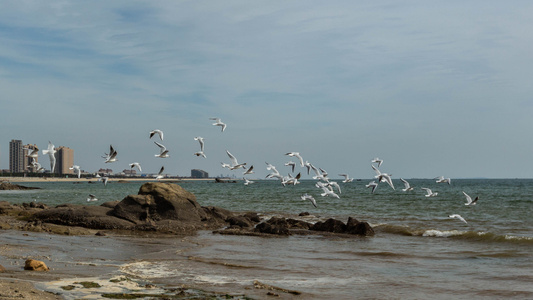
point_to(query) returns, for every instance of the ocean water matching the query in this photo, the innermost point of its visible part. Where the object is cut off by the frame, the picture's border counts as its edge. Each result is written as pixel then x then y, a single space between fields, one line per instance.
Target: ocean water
pixel 418 252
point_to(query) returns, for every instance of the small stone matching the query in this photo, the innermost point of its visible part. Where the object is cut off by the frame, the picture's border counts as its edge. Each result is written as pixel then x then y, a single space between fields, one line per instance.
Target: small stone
pixel 35 265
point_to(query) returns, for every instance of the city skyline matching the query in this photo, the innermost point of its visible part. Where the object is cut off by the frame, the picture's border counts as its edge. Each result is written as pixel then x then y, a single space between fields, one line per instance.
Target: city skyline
pixel 440 90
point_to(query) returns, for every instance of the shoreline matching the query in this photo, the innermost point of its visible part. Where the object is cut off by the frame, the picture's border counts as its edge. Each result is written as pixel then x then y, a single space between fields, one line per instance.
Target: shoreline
pixel 75 179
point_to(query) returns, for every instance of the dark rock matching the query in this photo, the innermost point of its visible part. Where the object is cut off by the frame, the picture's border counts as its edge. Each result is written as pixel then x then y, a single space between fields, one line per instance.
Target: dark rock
pixel 303 214
pixel 360 228
pixel 100 233
pixel 271 229
pixel 239 221
pixel 281 226
pixel 252 216
pixel 330 225
pixel 110 204
pixel 16 187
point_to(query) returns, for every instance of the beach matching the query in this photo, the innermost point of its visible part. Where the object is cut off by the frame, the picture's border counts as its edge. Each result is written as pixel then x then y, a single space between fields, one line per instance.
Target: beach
pixel 417 252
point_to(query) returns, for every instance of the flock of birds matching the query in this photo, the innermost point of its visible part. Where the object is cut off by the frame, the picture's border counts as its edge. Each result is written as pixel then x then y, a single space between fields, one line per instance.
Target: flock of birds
pixel 328 187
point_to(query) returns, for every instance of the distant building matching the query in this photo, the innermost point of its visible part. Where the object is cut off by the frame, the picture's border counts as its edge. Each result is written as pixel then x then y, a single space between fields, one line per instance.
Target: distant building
pixel 195 173
pixel 105 171
pixel 16 157
pixel 129 172
pixel 64 160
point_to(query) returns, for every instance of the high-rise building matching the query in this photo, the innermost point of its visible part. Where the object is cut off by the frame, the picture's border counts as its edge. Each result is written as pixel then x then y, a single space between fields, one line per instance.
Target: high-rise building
pixel 16 157
pixel 64 160
pixel 196 173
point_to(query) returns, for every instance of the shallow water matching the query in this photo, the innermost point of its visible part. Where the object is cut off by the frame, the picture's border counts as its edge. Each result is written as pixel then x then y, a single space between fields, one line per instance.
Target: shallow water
pixel 417 252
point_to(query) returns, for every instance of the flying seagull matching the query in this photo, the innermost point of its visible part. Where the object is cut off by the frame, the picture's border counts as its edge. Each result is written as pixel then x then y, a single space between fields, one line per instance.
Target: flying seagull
pixel 429 193
pixel 291 164
pixel 378 161
pixel 234 163
pixel 160 174
pixel 441 179
pixel 201 141
pixel 408 187
pixel 136 164
pixel 156 131
pixel 469 200
pixel 111 156
pixel 163 152
pixel 249 171
pixel 51 151
pixel 298 156
pixel 456 216
pixel 219 123
pixel 77 168
pixel 34 152
pixel 346 178
pixel 373 185
pixel 247 182
pixel 306 197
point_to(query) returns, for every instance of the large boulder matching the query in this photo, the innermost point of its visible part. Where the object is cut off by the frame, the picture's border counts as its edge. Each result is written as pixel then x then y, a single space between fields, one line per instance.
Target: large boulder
pixel 9 186
pixel 160 201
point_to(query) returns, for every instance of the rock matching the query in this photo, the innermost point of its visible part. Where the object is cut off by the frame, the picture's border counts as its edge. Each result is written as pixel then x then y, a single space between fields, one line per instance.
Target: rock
pixel 281 226
pixel 303 214
pixel 110 204
pixel 252 216
pixel 330 225
pixel 2 269
pixel 239 221
pixel 35 265
pixel 100 233
pixel 16 187
pixel 360 228
pixel 158 201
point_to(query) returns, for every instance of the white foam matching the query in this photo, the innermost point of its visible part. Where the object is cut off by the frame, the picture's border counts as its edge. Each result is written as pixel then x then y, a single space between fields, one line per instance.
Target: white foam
pixel 145 269
pixel 445 233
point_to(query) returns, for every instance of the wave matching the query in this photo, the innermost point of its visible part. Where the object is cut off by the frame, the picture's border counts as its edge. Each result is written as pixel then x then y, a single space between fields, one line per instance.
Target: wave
pixel 478 236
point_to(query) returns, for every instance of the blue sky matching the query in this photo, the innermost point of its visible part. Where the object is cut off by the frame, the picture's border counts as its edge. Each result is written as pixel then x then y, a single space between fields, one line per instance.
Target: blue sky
pixel 432 88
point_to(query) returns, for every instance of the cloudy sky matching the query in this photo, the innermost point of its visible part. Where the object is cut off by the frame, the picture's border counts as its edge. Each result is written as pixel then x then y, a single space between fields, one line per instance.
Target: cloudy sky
pixel 432 88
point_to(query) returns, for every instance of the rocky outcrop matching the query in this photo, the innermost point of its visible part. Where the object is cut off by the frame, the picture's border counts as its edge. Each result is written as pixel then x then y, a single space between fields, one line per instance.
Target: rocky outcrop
pixel 9 186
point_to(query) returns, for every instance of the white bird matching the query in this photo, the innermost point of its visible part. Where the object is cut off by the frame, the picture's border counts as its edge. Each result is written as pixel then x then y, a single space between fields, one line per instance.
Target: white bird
pixel 77 168
pixel 34 152
pixel 159 132
pixel 441 179
pixel 291 164
pixel 219 123
pixel 346 178
pixel 249 171
pixel 163 152
pixel 408 187
pixel 306 197
pixel 51 151
pixel 160 174
pixel 378 161
pixel 103 179
pixel 225 165
pixel 298 156
pixel 92 198
pixel 275 173
pixel 234 163
pixel 36 166
pixel 469 200
pixel 111 156
pixel 328 191
pixel 247 182
pixel 318 173
pixel 373 185
pixel 334 184
pixel 136 164
pixel 290 180
pixel 201 141
pixel 308 166
pixel 429 193
pixel 383 177
pixel 456 216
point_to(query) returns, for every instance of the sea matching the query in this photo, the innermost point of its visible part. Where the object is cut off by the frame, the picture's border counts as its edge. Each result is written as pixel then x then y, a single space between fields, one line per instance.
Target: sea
pixel 417 252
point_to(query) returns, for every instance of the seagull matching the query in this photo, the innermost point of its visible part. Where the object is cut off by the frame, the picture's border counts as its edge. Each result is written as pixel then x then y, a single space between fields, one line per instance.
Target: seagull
pixel 308 166
pixel 335 184
pixel 225 165
pixel 163 152
pixel 247 182
pixel 159 132
pixel 378 161
pixel 291 180
pixel 408 187
pixel 234 163
pixel 219 123
pixel 383 177
pixel 112 156
pixel 51 151
pixel 103 179
pixel 319 174
pixel 346 178
pixel 34 152
pixel 201 141
pixel 36 166
pixel 249 171
pixel 297 155
pixel 91 198
pixel 441 179
pixel 456 216
pixel 291 164
pixel 275 173
pixel 160 174
pixel 77 168
pixel 328 191
pixel 136 164
pixel 373 185
pixel 469 200
pixel 310 198
pixel 429 193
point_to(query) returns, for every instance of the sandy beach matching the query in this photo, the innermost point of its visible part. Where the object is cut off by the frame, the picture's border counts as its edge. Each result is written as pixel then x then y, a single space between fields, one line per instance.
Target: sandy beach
pixel 84 179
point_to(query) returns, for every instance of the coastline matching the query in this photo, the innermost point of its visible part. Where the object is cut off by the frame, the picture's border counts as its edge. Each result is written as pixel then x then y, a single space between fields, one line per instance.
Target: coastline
pixel 75 179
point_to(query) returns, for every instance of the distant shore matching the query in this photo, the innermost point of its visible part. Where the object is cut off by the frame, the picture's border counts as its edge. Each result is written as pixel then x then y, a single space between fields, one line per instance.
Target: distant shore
pixel 84 179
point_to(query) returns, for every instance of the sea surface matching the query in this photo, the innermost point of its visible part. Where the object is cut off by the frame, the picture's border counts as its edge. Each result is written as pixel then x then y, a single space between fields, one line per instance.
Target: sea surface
pixel 418 252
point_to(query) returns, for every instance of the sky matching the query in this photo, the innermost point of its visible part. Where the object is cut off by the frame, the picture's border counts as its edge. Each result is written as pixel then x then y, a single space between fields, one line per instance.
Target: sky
pixel 432 88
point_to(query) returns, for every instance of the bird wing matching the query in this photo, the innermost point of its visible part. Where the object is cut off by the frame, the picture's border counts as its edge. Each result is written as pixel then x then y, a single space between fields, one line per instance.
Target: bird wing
pixel 234 161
